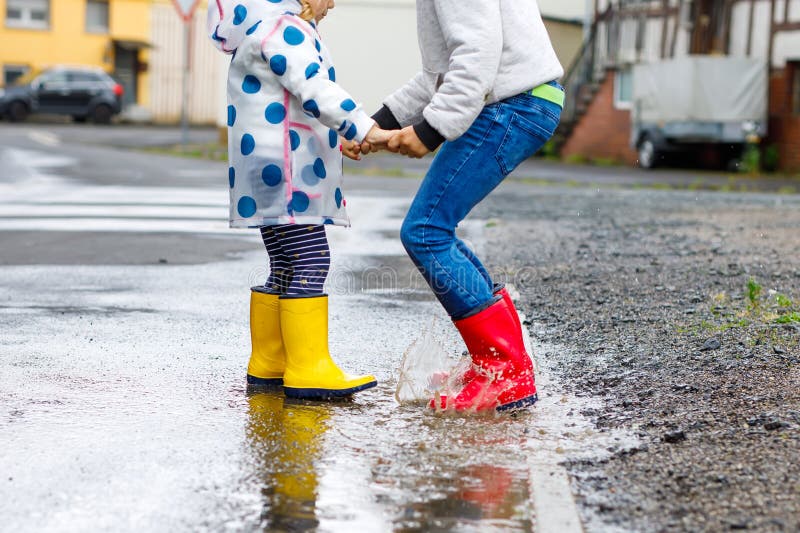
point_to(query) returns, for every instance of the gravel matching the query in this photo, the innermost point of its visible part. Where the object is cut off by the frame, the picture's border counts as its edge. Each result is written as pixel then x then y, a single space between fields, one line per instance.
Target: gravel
pixel 681 311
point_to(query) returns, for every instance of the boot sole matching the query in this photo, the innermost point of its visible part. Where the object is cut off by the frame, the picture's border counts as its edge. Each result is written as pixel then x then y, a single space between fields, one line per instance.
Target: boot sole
pixel 325 394
pixel 264 382
pixel 519 404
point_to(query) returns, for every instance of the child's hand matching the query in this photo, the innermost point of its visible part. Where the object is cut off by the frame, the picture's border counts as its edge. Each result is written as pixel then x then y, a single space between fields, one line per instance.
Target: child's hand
pixel 351 149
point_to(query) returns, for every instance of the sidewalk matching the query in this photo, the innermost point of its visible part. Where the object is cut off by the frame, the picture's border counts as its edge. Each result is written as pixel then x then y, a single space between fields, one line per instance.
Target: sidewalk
pixel 545 172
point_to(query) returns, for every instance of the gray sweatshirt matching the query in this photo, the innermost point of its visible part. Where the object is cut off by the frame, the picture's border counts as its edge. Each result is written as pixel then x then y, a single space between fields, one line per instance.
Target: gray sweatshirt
pixel 474 53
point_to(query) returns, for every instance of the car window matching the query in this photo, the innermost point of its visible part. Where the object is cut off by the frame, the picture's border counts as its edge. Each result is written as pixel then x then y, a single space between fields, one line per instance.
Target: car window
pixel 84 77
pixel 58 76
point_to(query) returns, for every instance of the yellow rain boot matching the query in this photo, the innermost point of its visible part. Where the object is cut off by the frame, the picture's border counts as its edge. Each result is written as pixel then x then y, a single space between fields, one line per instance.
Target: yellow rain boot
pixel 310 371
pixel 268 358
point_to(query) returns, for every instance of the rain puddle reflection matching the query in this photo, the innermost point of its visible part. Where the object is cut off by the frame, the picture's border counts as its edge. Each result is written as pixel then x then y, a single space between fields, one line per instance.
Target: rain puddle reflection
pixel 373 465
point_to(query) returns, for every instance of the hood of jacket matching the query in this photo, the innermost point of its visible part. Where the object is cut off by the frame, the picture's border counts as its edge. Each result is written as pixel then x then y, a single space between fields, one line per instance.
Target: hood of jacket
pixel 230 21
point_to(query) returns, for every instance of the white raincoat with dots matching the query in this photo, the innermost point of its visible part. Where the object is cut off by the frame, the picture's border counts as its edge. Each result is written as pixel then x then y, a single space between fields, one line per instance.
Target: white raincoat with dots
pixel 285 115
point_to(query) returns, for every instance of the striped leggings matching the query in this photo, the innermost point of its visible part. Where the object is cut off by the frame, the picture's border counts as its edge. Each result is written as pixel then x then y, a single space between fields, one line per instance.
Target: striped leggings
pixel 299 259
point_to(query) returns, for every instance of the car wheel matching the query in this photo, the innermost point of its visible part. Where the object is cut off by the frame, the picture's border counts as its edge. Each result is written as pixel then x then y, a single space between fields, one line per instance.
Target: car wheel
pixel 79 118
pixel 648 155
pixel 17 111
pixel 102 114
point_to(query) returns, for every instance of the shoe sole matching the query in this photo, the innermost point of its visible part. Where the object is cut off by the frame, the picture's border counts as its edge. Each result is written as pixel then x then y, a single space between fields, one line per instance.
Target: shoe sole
pixel 325 394
pixel 265 382
pixel 519 404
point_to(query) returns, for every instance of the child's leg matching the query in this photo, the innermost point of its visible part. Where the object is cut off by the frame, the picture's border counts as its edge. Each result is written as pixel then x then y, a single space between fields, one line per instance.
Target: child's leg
pixel 306 248
pixel 470 255
pixel 280 268
pixel 310 371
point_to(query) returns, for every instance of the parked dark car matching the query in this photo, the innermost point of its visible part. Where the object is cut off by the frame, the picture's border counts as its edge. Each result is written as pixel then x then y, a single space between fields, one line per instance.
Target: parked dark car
pixel 80 92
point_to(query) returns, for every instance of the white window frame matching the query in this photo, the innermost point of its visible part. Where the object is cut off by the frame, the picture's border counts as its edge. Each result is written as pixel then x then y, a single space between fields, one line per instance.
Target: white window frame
pixel 27 9
pixel 619 103
pixel 98 29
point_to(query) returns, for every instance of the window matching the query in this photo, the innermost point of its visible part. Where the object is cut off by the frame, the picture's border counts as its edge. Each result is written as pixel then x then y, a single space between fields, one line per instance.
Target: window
pixel 13 72
pixel 84 77
pixel 28 13
pixel 53 76
pixel 623 88
pixel 97 16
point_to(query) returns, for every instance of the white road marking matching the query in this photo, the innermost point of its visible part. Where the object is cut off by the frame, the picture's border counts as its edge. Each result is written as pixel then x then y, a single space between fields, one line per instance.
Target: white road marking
pixel 45 138
pixel 35 198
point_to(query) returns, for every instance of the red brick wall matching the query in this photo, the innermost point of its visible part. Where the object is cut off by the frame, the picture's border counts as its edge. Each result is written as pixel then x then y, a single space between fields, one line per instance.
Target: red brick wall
pixel 784 126
pixel 603 131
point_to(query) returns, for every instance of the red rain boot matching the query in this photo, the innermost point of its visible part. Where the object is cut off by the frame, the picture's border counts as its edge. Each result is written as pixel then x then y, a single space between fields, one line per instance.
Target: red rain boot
pixel 499 290
pixel 503 370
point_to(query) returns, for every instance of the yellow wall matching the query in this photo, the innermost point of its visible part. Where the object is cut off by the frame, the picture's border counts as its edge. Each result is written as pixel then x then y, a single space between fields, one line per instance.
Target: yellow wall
pixel 67 42
pixel 567 39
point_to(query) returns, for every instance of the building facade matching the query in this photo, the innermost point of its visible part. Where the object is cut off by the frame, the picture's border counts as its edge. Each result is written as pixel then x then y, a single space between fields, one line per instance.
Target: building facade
pixel 597 119
pixel 111 34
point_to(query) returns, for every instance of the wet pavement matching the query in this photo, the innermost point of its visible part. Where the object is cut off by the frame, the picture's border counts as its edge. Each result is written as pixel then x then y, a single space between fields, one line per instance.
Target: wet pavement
pixel 123 405
pixel 124 305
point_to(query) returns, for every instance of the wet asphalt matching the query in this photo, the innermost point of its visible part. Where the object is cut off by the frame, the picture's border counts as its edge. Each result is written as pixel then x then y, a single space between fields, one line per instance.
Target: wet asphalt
pixel 122 403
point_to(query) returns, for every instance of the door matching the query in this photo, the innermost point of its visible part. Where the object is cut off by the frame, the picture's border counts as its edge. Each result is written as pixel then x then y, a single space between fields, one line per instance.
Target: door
pixel 53 92
pixel 126 72
pixel 84 87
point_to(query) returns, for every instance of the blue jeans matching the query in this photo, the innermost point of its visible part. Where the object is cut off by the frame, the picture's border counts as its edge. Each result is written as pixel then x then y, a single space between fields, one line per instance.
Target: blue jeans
pixel 462 174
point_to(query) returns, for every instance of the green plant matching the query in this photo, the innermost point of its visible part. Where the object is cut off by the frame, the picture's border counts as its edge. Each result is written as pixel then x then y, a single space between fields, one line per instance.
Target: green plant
pixel 788 319
pixel 770 158
pixel 782 300
pixel 753 292
pixel 576 159
pixel 751 159
pixel 604 161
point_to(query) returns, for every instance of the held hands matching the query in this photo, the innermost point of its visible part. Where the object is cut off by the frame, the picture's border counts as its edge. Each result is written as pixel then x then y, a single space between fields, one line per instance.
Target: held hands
pixel 376 139
pixel 403 141
pixel 407 142
pixel 351 150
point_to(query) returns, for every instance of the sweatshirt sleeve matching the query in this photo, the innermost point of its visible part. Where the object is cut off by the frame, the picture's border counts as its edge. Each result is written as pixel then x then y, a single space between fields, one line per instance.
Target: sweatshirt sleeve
pixel 292 53
pixel 475 37
pixel 406 103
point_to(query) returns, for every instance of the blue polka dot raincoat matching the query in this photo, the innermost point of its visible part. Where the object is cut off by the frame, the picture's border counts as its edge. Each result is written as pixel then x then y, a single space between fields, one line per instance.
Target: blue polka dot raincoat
pixel 285 116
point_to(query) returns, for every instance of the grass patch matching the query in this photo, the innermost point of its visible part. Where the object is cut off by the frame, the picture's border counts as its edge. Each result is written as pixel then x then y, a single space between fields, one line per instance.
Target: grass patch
pixel 211 151
pixel 761 314
pixel 576 159
pixel 788 318
pixel 605 162
pixel 371 170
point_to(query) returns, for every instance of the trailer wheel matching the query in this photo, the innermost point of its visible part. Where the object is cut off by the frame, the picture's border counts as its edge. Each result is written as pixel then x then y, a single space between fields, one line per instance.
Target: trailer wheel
pixel 648 155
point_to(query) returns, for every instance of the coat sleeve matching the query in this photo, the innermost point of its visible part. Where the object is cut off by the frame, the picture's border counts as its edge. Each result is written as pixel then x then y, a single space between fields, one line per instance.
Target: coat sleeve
pixel 291 51
pixel 407 103
pixel 475 39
